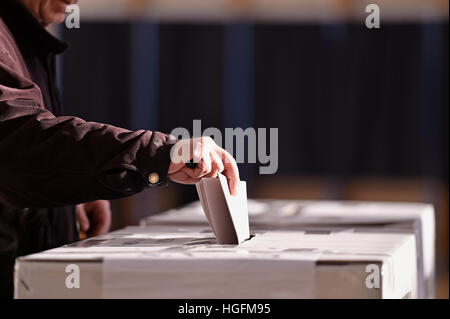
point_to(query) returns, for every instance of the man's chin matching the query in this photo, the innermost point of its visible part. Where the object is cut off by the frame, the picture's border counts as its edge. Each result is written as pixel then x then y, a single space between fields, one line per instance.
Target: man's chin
pixel 54 19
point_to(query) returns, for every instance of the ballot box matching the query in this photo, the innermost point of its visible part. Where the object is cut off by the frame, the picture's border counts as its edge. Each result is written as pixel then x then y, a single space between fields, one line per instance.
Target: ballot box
pixel 187 262
pixel 389 217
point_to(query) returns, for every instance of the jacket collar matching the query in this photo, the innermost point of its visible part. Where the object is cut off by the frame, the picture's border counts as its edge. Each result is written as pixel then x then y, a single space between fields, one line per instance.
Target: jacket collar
pixel 27 31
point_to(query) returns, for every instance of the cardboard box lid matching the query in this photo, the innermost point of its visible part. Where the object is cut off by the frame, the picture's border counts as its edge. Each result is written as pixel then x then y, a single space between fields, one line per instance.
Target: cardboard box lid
pixel 198 242
pixel 164 250
pixel 387 216
pixel 279 212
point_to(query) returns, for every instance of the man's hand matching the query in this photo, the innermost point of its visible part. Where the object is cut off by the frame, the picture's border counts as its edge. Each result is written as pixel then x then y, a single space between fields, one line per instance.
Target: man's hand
pixel 94 217
pixel 210 158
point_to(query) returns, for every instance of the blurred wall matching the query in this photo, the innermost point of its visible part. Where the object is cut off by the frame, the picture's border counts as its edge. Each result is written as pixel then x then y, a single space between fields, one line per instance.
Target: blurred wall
pixel 348 101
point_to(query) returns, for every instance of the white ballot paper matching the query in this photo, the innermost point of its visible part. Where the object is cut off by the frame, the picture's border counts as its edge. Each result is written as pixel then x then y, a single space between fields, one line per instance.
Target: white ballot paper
pixel 227 215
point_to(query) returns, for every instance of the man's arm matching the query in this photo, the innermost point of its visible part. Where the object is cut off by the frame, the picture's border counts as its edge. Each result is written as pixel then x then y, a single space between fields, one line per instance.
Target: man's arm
pixel 48 161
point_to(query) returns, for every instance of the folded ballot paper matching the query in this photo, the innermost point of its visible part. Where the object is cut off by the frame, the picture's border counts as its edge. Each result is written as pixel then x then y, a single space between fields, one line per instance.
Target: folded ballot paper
pixel 227 215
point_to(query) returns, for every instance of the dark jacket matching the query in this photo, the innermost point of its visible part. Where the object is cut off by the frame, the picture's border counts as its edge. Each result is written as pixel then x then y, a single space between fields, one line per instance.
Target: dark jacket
pixel 49 162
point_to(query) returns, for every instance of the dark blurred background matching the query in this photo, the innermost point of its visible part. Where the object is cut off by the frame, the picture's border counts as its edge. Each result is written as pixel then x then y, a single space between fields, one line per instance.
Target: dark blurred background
pixel 362 113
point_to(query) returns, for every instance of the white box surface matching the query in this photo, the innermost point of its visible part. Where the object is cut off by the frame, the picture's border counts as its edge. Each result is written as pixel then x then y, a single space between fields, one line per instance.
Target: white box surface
pixel 174 262
pixel 415 218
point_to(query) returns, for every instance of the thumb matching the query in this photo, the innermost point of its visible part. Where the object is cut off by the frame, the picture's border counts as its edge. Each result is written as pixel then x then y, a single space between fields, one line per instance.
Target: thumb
pixel 82 218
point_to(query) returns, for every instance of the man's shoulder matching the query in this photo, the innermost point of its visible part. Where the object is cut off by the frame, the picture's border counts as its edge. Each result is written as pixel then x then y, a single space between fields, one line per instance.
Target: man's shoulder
pixel 5 35
pixel 8 47
pixel 14 73
pixel 10 56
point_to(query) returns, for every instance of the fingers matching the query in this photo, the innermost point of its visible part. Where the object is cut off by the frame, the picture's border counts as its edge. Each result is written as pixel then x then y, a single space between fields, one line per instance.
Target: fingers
pixel 101 227
pixel 94 217
pixel 211 160
pixel 183 177
pixel 204 167
pixel 100 217
pixel 217 165
pixel 199 147
pixel 179 155
pixel 201 155
pixel 82 218
pixel 230 171
pixel 104 222
pixel 183 152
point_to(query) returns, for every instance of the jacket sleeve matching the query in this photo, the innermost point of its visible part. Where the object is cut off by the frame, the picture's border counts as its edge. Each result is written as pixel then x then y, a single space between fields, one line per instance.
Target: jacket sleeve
pixel 48 161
